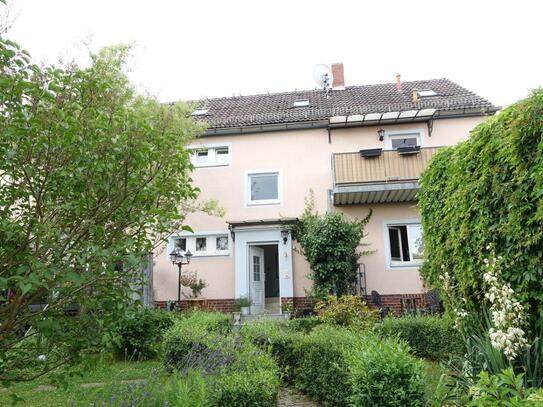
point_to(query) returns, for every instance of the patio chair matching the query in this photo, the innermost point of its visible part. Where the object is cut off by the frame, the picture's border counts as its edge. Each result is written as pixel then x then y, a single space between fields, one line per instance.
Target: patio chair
pixel 433 302
pixel 376 300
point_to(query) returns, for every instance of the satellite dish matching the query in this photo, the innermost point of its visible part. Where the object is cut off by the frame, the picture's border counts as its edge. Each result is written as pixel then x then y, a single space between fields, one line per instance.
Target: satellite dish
pixel 323 76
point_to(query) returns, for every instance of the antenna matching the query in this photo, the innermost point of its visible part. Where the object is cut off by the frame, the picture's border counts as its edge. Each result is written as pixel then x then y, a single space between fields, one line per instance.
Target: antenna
pixel 323 76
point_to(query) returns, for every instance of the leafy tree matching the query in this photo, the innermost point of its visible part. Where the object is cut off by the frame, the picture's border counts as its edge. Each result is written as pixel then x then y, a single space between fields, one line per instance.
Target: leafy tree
pixel 488 191
pixel 330 244
pixel 92 177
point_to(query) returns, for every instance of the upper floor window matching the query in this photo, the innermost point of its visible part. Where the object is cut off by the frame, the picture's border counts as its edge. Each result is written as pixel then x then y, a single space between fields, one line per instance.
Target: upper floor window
pixel 405 244
pixel 394 140
pixel 211 156
pixel 424 93
pixel 263 188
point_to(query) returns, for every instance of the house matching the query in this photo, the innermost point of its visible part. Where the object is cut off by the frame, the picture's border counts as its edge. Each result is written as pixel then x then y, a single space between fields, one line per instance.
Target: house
pixel 356 147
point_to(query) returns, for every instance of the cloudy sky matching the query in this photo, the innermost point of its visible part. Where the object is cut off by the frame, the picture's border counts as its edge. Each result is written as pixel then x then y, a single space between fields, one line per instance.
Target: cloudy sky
pixel 187 50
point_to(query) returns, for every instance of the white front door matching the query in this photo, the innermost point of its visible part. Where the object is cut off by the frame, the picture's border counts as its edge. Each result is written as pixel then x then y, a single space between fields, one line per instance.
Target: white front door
pixel 257 279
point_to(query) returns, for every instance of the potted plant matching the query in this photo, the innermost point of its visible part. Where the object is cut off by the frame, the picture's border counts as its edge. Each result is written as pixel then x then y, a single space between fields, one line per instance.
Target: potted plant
pixel 244 304
pixel 287 310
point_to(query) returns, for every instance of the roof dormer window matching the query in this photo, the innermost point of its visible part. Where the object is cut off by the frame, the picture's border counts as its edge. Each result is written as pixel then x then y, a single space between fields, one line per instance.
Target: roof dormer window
pixel 301 103
pixel 199 112
pixel 426 93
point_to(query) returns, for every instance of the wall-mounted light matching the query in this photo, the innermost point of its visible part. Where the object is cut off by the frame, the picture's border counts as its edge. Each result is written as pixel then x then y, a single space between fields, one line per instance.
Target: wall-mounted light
pixel 284 235
pixel 381 134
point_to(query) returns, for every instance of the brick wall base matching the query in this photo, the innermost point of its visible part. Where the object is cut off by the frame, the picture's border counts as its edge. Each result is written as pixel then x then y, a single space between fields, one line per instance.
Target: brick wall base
pixel 301 305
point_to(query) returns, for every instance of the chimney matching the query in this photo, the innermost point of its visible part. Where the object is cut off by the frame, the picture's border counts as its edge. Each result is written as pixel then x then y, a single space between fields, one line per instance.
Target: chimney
pixel 337 74
pixel 415 94
pixel 398 83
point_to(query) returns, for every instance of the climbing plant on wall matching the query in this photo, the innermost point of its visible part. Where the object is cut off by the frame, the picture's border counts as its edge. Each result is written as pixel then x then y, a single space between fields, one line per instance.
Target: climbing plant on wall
pixel 484 195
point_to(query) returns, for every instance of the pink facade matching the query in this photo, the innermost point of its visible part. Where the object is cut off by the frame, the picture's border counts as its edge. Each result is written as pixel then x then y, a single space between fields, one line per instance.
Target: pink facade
pixel 301 161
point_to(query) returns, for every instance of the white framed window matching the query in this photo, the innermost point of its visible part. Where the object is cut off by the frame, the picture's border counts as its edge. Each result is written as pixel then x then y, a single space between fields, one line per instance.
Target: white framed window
pixel 215 155
pixel 404 244
pixel 263 188
pixel 424 93
pixel 202 244
pixel 410 138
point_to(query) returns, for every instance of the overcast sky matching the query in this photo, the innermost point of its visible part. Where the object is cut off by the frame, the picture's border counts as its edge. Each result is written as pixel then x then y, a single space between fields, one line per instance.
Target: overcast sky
pixel 193 49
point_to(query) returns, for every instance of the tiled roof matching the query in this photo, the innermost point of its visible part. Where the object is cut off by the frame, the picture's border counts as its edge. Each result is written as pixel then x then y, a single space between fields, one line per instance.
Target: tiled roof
pixel 277 108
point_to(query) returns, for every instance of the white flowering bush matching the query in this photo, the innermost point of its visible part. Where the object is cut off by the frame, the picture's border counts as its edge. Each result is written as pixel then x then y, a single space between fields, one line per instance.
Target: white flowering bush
pixel 506 312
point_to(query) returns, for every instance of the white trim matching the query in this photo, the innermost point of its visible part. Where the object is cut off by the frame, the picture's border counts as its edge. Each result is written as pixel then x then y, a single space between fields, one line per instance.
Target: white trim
pixel 211 250
pixel 247 188
pixel 393 133
pixel 212 147
pixel 388 261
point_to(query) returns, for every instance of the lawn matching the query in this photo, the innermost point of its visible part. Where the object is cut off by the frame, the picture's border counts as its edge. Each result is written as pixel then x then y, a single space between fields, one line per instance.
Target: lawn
pixel 92 386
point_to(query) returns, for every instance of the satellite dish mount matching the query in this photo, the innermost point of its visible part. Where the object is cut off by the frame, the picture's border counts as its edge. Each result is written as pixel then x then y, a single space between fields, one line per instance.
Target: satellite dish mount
pixel 323 76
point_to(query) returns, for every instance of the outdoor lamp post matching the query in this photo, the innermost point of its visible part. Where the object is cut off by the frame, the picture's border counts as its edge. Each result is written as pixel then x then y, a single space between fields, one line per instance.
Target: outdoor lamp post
pixel 177 257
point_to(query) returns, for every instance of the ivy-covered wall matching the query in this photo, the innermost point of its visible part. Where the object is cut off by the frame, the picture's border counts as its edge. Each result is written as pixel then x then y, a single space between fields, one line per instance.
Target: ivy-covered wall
pixel 489 191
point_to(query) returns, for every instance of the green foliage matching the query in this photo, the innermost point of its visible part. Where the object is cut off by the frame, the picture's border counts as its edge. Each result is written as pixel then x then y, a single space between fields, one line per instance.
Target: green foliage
pixel 242 302
pixel 279 339
pixel 383 373
pixel 197 333
pixel 92 175
pixel 504 389
pixel 347 311
pixel 489 190
pixel 322 369
pixel 330 244
pixel 430 337
pixel 140 333
pixel 254 382
pixel 304 324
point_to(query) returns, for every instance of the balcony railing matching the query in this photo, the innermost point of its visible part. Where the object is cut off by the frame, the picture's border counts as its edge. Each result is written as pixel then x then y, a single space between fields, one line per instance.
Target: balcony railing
pixel 388 167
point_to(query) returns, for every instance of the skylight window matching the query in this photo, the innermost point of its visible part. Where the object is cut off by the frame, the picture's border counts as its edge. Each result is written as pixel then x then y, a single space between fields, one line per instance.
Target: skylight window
pixel 301 103
pixel 426 93
pixel 199 112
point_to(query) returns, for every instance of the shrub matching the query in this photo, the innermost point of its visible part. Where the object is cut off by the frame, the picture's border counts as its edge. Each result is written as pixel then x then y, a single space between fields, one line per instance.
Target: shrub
pixel 430 337
pixel 276 338
pixel 304 324
pixel 252 380
pixel 322 369
pixel 488 190
pixel 383 373
pixel 348 311
pixel 504 389
pixel 196 337
pixel 140 332
pixel 330 244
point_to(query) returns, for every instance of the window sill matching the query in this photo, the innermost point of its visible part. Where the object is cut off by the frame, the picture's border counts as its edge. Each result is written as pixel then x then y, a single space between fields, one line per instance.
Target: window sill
pixel 194 256
pixel 210 165
pixel 264 202
pixel 405 265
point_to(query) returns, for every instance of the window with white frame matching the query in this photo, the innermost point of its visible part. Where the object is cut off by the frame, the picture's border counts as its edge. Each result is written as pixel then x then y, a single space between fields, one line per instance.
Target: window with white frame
pixel 407 139
pixel 211 156
pixel 207 244
pixel 405 244
pixel 263 188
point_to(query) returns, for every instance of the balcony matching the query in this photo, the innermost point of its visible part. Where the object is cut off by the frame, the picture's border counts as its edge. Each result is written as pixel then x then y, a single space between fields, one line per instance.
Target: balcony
pixel 374 176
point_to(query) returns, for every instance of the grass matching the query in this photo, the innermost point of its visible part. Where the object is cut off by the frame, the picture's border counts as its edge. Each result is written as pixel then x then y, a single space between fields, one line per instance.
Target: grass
pixel 107 371
pixel 433 371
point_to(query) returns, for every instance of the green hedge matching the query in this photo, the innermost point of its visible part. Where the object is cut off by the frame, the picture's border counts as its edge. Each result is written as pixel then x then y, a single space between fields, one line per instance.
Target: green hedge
pixel 237 373
pixel 430 337
pixel 304 324
pixel 197 333
pixel 322 368
pixel 488 190
pixel 383 373
pixel 139 333
pixel 279 339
